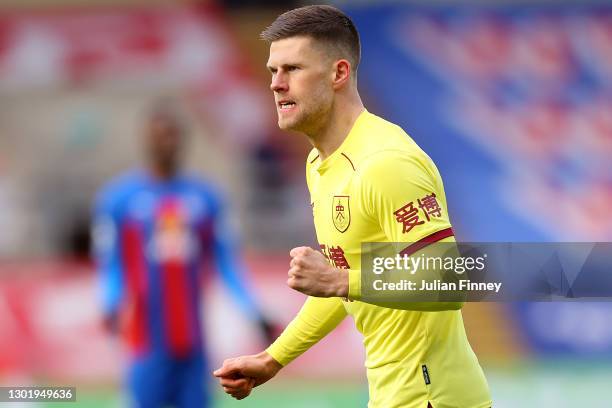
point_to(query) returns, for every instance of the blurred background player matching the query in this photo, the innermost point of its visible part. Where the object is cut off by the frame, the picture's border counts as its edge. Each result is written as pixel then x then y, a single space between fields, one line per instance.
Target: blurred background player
pixel 155 230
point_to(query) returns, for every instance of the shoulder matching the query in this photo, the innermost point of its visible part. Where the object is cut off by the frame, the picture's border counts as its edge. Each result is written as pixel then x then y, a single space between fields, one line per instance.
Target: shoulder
pixel 199 183
pixel 118 189
pixel 206 189
pixel 383 143
pixel 397 162
pixel 397 166
pixel 383 133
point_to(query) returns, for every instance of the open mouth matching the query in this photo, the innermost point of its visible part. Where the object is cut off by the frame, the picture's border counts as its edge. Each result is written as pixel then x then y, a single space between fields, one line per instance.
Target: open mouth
pixel 286 105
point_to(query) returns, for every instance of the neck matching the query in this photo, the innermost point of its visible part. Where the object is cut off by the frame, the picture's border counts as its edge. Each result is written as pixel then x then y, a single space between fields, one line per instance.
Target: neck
pixel 162 173
pixel 328 138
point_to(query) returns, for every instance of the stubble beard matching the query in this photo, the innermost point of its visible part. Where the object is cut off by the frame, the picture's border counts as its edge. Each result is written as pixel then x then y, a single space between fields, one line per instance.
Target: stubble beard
pixel 309 120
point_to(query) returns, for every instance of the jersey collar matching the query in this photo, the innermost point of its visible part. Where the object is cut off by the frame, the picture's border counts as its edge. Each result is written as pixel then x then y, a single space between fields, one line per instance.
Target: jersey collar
pixel 346 145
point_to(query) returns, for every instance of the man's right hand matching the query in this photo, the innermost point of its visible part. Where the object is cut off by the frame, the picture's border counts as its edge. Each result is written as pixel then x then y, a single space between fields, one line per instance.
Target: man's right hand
pixel 239 375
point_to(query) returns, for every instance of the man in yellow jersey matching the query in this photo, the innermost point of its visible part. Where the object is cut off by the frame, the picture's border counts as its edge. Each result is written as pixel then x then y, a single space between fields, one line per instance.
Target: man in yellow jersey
pixel 369 182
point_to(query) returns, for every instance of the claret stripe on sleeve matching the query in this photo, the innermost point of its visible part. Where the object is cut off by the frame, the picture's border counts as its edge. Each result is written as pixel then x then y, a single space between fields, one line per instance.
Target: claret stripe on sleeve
pixel 430 239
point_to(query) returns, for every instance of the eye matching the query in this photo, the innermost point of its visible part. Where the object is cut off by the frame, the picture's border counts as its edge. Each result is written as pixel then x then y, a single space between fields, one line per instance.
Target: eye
pixel 292 68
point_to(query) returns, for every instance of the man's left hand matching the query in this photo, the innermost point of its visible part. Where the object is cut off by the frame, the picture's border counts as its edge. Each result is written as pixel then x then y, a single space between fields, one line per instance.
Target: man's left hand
pixel 311 274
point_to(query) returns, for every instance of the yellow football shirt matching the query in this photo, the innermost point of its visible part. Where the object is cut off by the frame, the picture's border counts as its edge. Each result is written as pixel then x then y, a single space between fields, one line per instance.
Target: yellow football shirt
pixel 379 186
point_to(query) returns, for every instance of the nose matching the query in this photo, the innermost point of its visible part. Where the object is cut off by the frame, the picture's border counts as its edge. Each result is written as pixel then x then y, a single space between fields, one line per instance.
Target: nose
pixel 279 83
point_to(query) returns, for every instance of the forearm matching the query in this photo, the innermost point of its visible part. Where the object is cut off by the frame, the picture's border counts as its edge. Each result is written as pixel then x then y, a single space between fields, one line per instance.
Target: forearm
pixel 316 319
pixel 237 282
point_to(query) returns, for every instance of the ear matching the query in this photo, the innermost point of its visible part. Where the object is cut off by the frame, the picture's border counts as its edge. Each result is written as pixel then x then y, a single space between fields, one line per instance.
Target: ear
pixel 342 73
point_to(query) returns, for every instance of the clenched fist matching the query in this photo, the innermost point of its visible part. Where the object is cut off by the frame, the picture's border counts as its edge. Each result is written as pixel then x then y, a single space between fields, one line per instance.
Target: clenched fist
pixel 311 274
pixel 238 376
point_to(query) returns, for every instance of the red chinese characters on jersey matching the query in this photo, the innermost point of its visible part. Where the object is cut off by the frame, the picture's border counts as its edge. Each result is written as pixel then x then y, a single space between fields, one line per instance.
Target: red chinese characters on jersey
pixel 335 256
pixel 409 215
pixel 430 206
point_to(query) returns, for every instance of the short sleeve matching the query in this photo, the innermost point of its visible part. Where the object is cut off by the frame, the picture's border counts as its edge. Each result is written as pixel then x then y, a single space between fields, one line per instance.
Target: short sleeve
pixel 403 192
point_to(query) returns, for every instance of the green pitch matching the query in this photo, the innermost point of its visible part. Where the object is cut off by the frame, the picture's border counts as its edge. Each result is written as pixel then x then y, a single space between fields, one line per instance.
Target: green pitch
pixel 555 383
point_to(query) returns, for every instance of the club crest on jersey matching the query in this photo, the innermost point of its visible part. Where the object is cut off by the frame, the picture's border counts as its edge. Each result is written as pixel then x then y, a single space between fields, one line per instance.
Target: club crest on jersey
pixel 341 212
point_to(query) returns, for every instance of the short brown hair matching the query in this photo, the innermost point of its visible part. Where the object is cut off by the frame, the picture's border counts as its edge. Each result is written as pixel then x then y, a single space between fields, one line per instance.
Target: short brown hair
pixel 326 24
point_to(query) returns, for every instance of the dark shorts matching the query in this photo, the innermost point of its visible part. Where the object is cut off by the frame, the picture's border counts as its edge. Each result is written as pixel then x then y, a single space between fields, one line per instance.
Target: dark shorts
pixel 156 381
